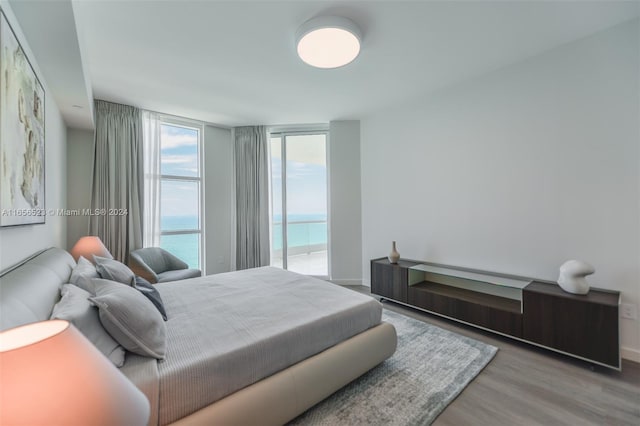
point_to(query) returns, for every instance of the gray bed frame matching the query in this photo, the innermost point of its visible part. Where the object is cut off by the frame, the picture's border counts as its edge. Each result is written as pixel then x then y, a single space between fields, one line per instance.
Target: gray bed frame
pixel 29 290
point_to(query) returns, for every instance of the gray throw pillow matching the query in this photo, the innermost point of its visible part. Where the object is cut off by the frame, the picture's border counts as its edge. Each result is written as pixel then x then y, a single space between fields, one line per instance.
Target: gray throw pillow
pixel 130 318
pixel 150 292
pixel 74 306
pixel 82 275
pixel 113 270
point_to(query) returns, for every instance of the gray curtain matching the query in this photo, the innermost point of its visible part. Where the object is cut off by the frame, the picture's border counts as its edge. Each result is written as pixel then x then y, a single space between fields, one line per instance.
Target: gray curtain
pixel 252 197
pixel 117 189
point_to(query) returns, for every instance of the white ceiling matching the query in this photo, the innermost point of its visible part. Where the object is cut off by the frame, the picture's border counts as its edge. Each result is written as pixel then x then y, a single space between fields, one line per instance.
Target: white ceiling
pixel 234 63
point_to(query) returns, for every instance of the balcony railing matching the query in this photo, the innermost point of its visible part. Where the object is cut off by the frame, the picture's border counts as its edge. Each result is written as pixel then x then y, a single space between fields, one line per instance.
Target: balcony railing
pixel 303 236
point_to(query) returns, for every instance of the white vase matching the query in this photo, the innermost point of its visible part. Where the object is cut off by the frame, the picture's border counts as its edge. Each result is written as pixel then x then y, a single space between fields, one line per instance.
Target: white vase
pixel 572 276
pixel 394 256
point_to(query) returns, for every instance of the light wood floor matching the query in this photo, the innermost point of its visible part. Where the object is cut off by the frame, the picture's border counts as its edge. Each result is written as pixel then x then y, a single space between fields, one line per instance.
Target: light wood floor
pixel 525 385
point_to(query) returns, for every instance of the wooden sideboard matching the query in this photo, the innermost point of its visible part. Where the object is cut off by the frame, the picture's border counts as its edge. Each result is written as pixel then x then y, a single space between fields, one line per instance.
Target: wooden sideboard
pixel 533 311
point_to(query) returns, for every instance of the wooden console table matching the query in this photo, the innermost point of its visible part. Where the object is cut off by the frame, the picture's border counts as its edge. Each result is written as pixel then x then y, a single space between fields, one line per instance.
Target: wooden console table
pixel 534 311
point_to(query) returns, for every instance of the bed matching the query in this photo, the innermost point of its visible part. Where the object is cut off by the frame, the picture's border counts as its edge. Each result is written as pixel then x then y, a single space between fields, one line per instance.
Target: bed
pixel 258 346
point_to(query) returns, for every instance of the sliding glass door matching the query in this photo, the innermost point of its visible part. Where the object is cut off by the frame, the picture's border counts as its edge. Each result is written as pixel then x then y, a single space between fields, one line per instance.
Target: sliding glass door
pixel 299 220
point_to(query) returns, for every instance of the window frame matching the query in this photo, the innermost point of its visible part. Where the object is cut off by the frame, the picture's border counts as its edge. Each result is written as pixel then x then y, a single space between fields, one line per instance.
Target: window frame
pixel 199 127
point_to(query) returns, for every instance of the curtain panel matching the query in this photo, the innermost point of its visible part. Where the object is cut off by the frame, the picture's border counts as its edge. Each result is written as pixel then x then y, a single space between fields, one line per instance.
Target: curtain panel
pixel 252 197
pixel 117 189
pixel 152 174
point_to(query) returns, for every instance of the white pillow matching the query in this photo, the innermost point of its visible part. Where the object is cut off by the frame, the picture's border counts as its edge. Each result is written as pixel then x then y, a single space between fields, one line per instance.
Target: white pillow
pixel 82 275
pixel 74 306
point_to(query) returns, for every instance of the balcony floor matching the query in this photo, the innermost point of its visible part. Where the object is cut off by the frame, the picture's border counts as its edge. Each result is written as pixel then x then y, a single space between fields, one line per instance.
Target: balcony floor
pixel 308 264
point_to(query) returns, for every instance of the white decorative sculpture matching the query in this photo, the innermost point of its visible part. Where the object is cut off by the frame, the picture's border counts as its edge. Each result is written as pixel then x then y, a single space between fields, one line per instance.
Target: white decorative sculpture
pixel 572 276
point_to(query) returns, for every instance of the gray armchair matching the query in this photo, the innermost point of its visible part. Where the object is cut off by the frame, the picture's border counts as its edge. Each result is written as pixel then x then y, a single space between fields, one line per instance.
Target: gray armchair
pixel 158 265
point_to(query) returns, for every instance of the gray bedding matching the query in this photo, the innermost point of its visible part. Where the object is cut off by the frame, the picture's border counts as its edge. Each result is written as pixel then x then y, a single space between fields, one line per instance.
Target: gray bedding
pixel 228 331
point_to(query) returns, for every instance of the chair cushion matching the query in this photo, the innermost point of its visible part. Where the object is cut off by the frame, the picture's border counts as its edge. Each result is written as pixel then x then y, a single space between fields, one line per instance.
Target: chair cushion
pixel 154 258
pixel 180 274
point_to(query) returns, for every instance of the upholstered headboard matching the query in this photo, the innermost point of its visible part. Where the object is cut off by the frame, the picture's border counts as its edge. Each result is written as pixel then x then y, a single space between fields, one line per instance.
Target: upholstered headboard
pixel 29 290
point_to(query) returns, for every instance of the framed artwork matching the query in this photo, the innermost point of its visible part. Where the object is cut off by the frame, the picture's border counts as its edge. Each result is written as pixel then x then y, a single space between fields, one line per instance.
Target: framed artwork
pixel 22 135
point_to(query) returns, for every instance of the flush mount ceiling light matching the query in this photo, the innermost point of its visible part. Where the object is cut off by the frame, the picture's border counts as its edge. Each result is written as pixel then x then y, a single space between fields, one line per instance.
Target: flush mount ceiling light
pixel 328 41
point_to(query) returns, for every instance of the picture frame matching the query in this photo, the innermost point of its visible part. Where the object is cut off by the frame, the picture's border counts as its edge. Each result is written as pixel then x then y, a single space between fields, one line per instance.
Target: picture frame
pixel 22 134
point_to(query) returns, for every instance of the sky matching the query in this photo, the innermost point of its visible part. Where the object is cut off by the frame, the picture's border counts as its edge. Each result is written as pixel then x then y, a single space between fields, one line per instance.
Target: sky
pixel 179 151
pixel 306 175
pixel 179 157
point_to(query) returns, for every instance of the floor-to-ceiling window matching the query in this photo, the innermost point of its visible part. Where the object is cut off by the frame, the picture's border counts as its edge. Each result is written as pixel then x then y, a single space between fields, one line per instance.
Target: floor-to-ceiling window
pixel 299 220
pixel 180 190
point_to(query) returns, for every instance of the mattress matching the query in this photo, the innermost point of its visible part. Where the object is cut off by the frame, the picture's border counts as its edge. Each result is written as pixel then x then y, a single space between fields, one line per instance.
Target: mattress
pixel 228 331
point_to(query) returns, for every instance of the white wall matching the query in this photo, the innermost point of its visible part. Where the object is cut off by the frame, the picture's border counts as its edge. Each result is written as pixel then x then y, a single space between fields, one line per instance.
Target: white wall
pixel 80 150
pixel 17 243
pixel 517 171
pixel 219 201
pixel 345 202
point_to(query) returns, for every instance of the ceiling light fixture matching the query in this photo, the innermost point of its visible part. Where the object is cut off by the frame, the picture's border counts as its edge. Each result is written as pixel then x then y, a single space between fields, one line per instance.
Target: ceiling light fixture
pixel 328 41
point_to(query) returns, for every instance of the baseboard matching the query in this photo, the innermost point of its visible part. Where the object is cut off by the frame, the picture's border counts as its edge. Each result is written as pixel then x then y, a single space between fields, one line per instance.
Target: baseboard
pixel 347 282
pixel 630 354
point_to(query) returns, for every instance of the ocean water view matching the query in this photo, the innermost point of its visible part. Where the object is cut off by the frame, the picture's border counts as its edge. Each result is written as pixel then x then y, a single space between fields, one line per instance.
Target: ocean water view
pixel 303 230
pixel 184 246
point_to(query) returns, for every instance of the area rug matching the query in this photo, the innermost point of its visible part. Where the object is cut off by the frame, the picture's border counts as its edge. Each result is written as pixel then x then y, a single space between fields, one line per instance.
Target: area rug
pixel 429 370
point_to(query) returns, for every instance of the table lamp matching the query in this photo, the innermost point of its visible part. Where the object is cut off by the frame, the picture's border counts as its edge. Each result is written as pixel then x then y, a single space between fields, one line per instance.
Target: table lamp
pixel 52 375
pixel 89 246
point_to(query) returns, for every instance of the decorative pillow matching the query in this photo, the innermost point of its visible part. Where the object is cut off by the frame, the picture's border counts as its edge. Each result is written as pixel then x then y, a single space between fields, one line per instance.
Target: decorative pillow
pixel 76 308
pixel 113 270
pixel 130 318
pixel 151 293
pixel 82 275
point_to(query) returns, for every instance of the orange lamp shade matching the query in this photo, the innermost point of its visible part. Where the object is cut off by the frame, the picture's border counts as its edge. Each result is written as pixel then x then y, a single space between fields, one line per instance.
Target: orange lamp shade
pixel 52 375
pixel 89 246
